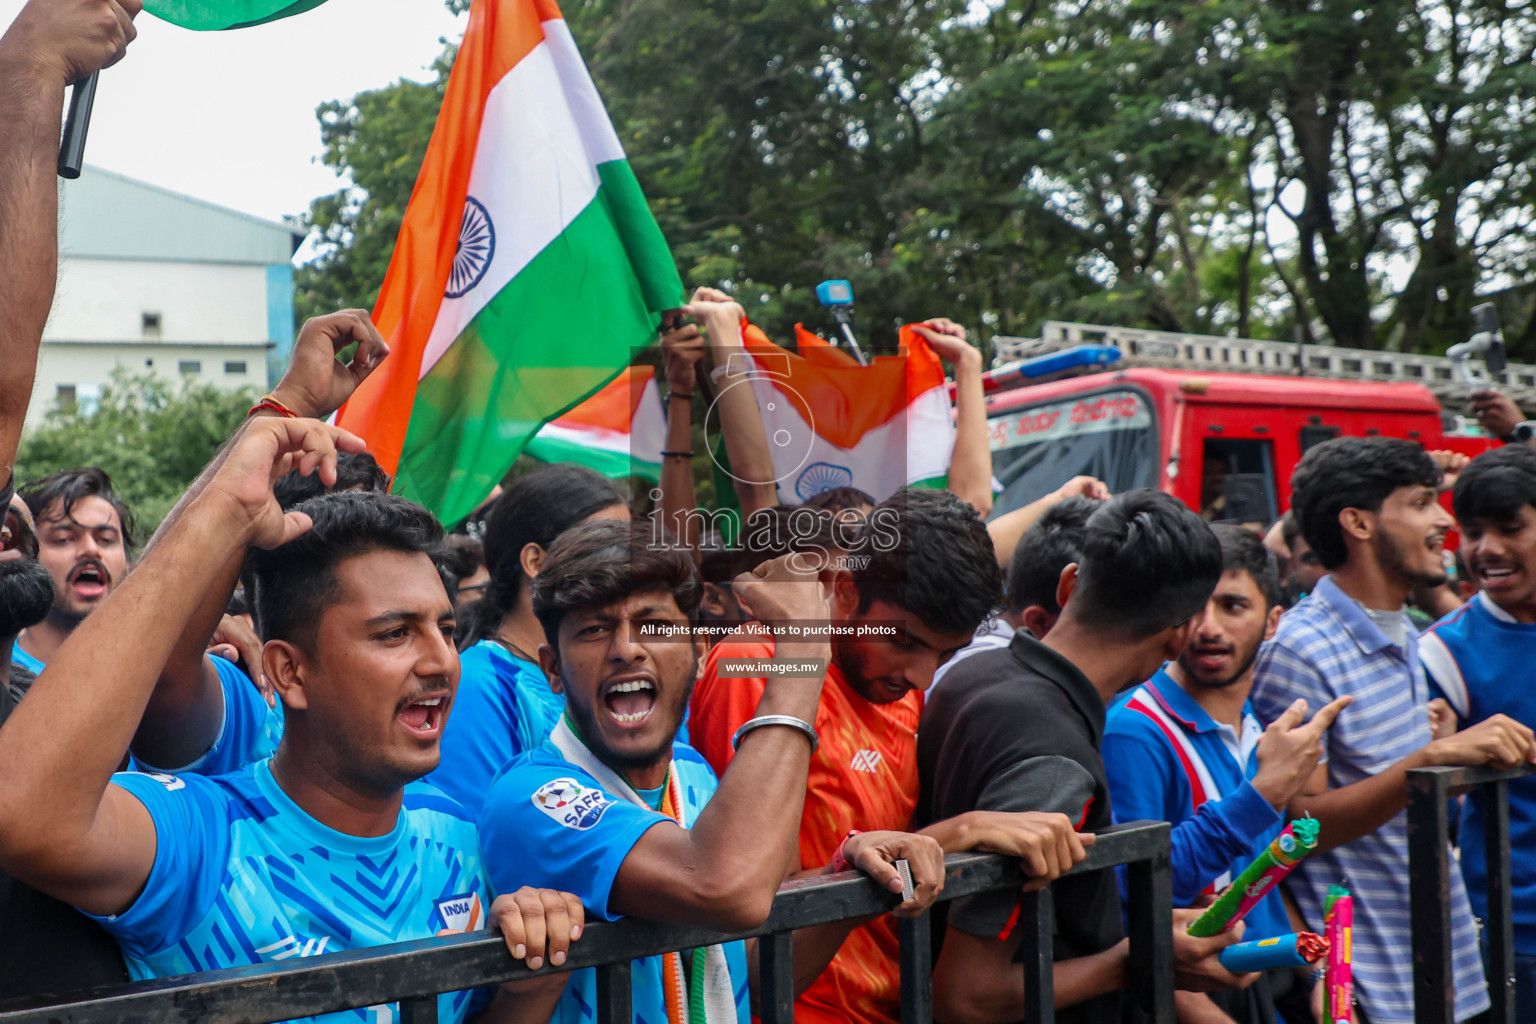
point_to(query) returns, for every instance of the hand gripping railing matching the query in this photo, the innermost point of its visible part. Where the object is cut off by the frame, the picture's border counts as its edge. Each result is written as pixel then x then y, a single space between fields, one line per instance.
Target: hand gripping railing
pixel 1429 889
pixel 413 973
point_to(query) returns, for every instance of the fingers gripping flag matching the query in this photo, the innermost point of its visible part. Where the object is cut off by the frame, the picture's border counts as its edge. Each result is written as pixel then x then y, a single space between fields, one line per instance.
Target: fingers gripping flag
pixel 832 422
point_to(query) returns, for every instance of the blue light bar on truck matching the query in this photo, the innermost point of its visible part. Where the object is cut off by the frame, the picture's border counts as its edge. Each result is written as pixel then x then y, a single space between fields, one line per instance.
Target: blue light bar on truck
pixel 1079 357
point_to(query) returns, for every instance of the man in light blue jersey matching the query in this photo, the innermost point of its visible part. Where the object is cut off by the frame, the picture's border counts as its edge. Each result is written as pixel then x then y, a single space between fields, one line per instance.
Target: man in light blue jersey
pixel 616 809
pixel 1479 658
pixel 331 844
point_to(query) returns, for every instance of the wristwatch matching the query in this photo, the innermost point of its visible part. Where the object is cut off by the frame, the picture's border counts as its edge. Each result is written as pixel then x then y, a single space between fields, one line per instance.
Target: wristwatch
pixel 1522 433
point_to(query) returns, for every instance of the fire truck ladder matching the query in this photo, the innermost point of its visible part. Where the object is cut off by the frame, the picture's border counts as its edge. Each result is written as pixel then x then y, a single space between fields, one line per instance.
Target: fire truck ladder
pixel 1199 352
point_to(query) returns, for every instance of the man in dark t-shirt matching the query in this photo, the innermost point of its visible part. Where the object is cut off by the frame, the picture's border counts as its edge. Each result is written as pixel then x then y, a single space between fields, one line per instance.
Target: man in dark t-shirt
pixel 1021 728
pixel 47 949
pixel 51 950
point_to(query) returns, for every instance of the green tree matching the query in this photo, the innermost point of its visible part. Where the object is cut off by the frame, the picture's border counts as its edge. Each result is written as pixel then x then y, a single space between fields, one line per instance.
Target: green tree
pixel 378 140
pixel 1360 171
pixel 150 436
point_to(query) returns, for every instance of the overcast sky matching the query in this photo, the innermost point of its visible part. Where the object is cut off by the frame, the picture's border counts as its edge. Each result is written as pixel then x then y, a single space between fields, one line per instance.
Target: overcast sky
pixel 230 116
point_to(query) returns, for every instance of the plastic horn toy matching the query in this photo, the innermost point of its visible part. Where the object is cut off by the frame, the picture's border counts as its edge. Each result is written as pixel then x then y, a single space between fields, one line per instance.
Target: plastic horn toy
pixel 1338 978
pixel 1290 848
pixel 1300 949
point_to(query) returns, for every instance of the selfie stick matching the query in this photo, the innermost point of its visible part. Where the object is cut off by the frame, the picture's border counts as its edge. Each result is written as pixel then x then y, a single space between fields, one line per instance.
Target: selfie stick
pixel 76 124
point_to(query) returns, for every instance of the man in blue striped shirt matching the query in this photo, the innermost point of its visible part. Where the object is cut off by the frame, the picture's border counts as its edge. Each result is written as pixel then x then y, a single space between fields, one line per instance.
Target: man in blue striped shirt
pixel 1370 509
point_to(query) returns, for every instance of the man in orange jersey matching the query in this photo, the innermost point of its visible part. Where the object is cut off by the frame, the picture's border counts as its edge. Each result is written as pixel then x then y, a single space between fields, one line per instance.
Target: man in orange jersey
pixel 910 586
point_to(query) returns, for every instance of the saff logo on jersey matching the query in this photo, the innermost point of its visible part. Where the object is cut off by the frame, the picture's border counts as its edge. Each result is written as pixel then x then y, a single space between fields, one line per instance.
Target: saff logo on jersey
pixel 571 804
pixel 461 913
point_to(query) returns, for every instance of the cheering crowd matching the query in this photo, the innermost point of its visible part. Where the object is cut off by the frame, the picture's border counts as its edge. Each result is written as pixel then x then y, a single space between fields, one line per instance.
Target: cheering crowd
pixel 303 719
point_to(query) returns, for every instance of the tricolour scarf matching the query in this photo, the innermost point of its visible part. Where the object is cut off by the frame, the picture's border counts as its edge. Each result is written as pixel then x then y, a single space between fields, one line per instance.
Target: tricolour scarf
pixel 710 999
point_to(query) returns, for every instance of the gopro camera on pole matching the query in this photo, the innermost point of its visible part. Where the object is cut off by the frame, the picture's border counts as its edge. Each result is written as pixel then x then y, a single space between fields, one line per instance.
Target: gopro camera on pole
pixel 1487 341
pixel 837 296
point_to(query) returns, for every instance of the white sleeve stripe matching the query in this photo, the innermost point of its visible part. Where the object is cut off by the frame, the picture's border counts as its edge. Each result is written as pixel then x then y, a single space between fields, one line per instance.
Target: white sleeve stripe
pixel 1442 667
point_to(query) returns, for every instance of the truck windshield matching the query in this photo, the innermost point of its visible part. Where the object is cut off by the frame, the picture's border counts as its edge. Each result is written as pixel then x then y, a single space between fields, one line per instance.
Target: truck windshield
pixel 1108 435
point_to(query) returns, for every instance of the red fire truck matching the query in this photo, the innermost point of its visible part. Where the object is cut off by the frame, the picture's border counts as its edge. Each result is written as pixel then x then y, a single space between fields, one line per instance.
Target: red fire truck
pixel 1218 423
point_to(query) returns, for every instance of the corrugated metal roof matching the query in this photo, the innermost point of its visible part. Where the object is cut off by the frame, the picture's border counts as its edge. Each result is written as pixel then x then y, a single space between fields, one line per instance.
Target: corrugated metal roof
pixel 107 216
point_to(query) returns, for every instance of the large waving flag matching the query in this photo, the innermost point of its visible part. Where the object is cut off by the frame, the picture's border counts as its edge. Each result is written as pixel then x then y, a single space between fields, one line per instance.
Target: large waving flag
pixel 528 268
pixel 620 431
pixel 213 15
pixel 833 423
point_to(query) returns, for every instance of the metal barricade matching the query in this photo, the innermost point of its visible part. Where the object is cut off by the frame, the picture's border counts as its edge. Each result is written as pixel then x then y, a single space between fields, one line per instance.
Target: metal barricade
pixel 1429 885
pixel 412 974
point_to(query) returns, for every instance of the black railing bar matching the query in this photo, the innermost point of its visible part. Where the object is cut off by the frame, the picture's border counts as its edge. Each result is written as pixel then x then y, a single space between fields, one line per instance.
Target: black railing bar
pixel 916 937
pixel 1149 925
pixel 1499 932
pixel 614 992
pixel 776 978
pixel 1037 920
pixel 388 974
pixel 1429 899
pixel 1459 780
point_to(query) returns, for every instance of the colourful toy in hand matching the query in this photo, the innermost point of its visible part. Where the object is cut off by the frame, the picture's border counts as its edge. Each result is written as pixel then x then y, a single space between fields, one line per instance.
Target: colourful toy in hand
pixel 1290 848
pixel 1338 979
pixel 1297 950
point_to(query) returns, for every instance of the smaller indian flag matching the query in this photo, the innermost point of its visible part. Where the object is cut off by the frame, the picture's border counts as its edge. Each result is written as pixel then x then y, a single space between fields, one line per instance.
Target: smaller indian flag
pixel 620 431
pixel 833 423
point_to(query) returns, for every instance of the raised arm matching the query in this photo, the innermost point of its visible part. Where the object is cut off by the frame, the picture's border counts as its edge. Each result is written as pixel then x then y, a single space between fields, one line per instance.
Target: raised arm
pixel 51 44
pixel 970 468
pixel 95 845
pixel 186 711
pixel 682 352
pixel 1007 528
pixel 741 422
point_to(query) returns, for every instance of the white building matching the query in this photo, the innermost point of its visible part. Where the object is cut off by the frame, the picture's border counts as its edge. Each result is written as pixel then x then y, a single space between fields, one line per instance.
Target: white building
pixel 162 283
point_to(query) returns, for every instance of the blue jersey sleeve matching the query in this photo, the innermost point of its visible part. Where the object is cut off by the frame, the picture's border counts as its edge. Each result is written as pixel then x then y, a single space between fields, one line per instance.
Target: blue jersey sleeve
pixel 1145 783
pixel 549 825
pixel 191 816
pixel 496 715
pixel 251 730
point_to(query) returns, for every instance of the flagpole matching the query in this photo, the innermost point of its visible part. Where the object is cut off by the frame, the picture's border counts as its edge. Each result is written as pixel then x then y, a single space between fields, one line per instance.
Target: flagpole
pixel 76 124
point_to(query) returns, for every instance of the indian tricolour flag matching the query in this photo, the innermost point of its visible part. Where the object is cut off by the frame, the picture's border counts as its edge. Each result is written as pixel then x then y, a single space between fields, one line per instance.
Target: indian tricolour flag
pixel 833 423
pixel 620 431
pixel 527 272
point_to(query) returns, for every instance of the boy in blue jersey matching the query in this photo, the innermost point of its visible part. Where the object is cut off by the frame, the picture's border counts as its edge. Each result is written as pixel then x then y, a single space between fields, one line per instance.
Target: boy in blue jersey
pixel 505 703
pixel 614 808
pixel 331 844
pixel 1186 748
pixel 1479 658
